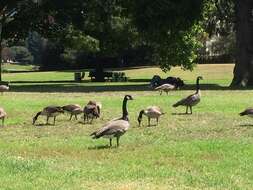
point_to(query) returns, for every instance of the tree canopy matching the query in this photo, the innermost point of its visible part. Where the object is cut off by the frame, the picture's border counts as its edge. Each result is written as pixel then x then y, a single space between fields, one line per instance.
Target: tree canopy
pixel 169 29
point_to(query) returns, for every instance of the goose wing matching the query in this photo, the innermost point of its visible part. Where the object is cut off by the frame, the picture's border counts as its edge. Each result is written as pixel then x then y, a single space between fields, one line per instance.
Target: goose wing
pixel 52 109
pixel 193 99
pixel 189 100
pixel 113 128
pixel 71 107
pixel 165 86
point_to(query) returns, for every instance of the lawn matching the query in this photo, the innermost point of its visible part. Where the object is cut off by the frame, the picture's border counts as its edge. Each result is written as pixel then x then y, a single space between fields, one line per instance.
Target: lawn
pixel 210 149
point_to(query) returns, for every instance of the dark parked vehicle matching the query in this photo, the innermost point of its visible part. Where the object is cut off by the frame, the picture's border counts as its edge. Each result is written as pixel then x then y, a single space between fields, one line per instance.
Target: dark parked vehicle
pixel 157 81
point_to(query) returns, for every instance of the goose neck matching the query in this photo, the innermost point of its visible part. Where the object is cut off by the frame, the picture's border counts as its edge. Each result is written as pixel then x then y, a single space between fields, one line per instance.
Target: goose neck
pixel 197 86
pixel 140 114
pixel 124 110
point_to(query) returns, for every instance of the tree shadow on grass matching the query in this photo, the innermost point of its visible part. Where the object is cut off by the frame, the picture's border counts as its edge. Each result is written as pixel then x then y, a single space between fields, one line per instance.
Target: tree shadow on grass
pixel 72 86
pixel 214 87
pixel 75 87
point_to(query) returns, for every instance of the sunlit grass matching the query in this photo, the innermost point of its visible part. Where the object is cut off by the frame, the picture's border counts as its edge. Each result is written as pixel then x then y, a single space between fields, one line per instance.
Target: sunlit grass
pixel 211 149
pixel 7 67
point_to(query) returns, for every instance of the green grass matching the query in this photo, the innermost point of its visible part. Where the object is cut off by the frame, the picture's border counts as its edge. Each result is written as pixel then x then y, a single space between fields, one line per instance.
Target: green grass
pixel 211 149
pixel 7 67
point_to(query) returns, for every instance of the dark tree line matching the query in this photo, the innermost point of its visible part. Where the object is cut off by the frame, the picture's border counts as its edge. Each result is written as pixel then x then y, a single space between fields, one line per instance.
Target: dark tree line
pixel 168 31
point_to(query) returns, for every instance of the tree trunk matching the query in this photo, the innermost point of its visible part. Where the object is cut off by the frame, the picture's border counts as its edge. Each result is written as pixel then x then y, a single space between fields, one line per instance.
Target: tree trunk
pixel 1 29
pixel 243 70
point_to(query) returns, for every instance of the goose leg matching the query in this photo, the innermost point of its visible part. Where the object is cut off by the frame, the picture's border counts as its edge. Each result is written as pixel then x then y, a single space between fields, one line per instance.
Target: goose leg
pixel 157 121
pixel 110 142
pixel 161 92
pixel 191 109
pixel 186 110
pixel 47 120
pixel 54 119
pixel 117 141
pixel 149 121
pixel 75 116
pixel 91 120
pixel 70 117
pixel 84 118
pixel 2 121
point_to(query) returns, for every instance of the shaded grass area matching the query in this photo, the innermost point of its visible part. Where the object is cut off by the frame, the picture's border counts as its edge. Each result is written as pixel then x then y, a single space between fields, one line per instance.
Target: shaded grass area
pixel 73 87
pixel 217 77
pixel 211 149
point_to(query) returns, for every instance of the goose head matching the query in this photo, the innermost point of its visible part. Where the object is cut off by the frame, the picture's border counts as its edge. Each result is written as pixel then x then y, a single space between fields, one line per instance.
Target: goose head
pixel 128 97
pixel 199 78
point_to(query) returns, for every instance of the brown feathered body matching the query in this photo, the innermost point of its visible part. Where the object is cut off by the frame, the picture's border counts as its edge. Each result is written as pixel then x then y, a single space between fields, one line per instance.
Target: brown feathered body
pixel 91 110
pixel 115 128
pixel 152 112
pixel 165 88
pixel 73 109
pixel 49 111
pixel 192 99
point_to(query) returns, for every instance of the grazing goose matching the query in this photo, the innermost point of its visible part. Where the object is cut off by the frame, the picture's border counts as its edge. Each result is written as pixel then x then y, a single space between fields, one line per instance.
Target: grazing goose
pixel 151 112
pixel 97 104
pixel 3 88
pixel 248 112
pixel 191 100
pixel 50 111
pixel 115 128
pixel 2 115
pixel 91 111
pixel 73 109
pixel 166 88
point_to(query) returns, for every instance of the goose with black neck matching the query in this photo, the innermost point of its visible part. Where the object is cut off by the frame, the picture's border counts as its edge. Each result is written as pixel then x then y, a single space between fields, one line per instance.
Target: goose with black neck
pixel 192 99
pixel 117 127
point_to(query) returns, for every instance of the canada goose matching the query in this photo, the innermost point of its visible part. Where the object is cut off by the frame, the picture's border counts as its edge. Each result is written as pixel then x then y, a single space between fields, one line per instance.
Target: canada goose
pixel 2 115
pixel 166 88
pixel 151 112
pixel 4 88
pixel 115 128
pixel 73 109
pixel 191 100
pixel 248 112
pixel 97 104
pixel 50 111
pixel 91 111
